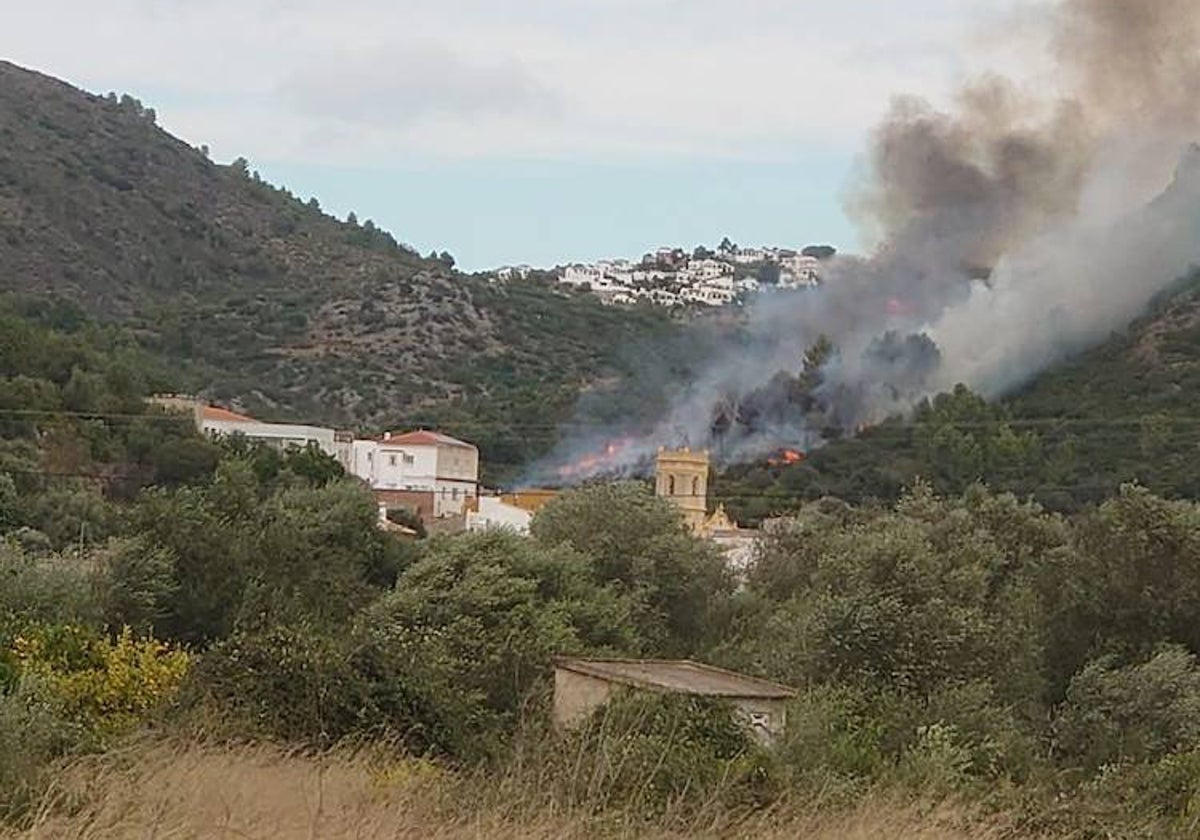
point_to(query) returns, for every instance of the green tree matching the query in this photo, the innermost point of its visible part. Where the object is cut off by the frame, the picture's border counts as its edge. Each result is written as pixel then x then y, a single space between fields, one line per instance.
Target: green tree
pixel 639 545
pixel 1140 712
pixel 935 592
pixel 1130 582
pixel 472 626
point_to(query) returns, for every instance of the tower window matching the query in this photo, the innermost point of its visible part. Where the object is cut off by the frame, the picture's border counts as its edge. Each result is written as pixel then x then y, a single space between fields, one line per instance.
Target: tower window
pixel 696 487
pixel 670 485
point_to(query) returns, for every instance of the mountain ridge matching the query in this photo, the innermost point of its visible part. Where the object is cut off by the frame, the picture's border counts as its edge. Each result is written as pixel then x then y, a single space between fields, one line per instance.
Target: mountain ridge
pixel 264 301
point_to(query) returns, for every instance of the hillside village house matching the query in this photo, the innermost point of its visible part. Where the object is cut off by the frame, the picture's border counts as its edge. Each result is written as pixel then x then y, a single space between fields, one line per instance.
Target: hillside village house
pixel 220 422
pixel 431 474
pixel 435 474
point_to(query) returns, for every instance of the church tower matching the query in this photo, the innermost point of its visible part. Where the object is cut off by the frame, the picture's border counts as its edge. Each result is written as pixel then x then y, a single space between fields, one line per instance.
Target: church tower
pixel 682 477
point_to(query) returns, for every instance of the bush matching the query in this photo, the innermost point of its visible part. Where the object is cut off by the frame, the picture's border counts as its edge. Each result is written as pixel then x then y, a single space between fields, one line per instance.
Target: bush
pixel 44 589
pixel 137 583
pixel 646 753
pixel 472 626
pixel 639 547
pixel 32 735
pixel 293 683
pixel 1135 713
pixel 107 686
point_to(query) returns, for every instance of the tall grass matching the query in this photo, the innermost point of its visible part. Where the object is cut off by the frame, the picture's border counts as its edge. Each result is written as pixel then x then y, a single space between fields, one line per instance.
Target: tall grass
pixel 170 789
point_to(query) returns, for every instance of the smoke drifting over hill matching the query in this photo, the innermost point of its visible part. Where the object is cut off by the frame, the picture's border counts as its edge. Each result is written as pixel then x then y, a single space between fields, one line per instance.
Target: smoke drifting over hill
pixel 1012 230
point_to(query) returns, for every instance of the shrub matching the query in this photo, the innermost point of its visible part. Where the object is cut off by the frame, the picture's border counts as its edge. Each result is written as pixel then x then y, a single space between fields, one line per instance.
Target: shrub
pixel 471 628
pixel 32 735
pixel 644 753
pixel 47 589
pixel 289 682
pixel 1135 713
pixel 107 686
pixel 639 547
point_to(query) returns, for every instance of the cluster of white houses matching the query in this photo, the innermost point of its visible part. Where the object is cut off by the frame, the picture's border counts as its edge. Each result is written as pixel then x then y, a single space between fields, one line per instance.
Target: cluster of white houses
pixel 672 277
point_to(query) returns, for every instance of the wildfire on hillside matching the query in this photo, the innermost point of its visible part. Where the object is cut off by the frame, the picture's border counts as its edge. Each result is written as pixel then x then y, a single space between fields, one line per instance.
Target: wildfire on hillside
pixel 596 463
pixel 786 458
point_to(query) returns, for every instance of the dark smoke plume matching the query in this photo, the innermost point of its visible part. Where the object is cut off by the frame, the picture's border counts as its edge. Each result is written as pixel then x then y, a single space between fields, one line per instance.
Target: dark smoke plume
pixel 1010 231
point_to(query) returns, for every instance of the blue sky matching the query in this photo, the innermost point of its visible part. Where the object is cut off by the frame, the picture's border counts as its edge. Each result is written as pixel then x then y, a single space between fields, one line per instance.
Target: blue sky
pixel 538 131
pixel 546 212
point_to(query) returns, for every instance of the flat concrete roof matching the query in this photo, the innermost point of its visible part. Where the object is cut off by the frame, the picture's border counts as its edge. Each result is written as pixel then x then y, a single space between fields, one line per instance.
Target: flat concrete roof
pixel 678 676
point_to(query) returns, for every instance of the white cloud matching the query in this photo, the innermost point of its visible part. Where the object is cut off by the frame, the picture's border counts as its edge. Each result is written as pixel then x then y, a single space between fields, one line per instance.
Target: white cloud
pixel 365 81
pixel 407 83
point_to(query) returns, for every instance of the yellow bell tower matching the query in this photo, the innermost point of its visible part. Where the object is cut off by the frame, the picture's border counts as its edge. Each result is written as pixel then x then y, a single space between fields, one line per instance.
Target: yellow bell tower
pixel 682 477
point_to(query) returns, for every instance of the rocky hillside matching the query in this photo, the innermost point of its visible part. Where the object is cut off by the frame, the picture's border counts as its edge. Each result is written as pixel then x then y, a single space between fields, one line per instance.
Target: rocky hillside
pixel 260 297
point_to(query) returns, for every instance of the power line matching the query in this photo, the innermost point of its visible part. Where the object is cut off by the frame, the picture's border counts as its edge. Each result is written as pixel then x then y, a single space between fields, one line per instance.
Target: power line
pixel 1132 420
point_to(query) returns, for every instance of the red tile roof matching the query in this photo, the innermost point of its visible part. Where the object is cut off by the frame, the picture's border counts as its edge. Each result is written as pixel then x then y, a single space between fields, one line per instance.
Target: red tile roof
pixel 423 438
pixel 212 412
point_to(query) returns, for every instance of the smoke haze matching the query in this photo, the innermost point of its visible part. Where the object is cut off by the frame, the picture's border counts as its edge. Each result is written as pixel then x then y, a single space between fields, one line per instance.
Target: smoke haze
pixel 1010 231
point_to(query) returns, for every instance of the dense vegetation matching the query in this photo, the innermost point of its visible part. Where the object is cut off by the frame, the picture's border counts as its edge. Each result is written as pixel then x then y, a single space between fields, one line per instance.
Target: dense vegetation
pixel 971 645
pixel 960 644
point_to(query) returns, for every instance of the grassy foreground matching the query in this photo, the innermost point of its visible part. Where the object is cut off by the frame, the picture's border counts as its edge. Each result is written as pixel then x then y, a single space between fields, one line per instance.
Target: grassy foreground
pixel 171 790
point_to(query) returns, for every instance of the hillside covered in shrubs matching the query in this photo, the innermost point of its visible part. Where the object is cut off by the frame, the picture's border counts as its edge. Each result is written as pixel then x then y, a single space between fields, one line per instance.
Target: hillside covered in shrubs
pixel 251 295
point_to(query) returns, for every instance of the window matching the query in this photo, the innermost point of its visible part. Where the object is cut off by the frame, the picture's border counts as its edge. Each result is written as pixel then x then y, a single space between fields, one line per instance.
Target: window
pixel 670 485
pixel 392 460
pixel 695 487
pixel 454 494
pixel 408 460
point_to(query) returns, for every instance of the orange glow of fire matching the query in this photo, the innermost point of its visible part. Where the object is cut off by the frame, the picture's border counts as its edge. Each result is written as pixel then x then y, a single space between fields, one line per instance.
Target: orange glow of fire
pixel 597 462
pixel 786 458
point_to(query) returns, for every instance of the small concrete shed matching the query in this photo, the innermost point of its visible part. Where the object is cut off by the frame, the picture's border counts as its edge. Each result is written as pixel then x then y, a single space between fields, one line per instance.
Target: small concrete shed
pixel 583 685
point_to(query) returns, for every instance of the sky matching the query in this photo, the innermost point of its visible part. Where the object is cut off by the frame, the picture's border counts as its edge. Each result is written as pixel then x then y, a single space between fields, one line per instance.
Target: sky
pixel 535 131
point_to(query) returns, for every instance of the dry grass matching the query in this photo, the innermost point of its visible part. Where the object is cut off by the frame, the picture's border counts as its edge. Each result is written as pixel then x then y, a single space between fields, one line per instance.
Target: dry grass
pixel 170 792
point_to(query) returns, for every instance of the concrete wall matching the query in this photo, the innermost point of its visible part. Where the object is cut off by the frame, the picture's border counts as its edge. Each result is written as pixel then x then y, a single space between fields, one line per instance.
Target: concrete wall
pixel 420 503
pixel 576 696
pixel 766 719
pixel 404 467
pixel 457 463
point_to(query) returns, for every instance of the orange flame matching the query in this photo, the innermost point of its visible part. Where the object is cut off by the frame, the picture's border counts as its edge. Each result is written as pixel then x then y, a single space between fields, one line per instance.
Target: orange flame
pixel 597 462
pixel 786 457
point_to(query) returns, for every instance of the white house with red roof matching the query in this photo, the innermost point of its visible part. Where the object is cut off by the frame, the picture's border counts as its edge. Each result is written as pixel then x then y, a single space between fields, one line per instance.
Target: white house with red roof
pixel 441 470
pixel 430 473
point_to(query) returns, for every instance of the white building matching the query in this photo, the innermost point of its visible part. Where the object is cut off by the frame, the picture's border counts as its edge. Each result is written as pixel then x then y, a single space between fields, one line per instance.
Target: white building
pixel 222 423
pixel 494 512
pixel 443 470
pixel 581 275
pixel 700 270
pixel 510 272
pixel 709 296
